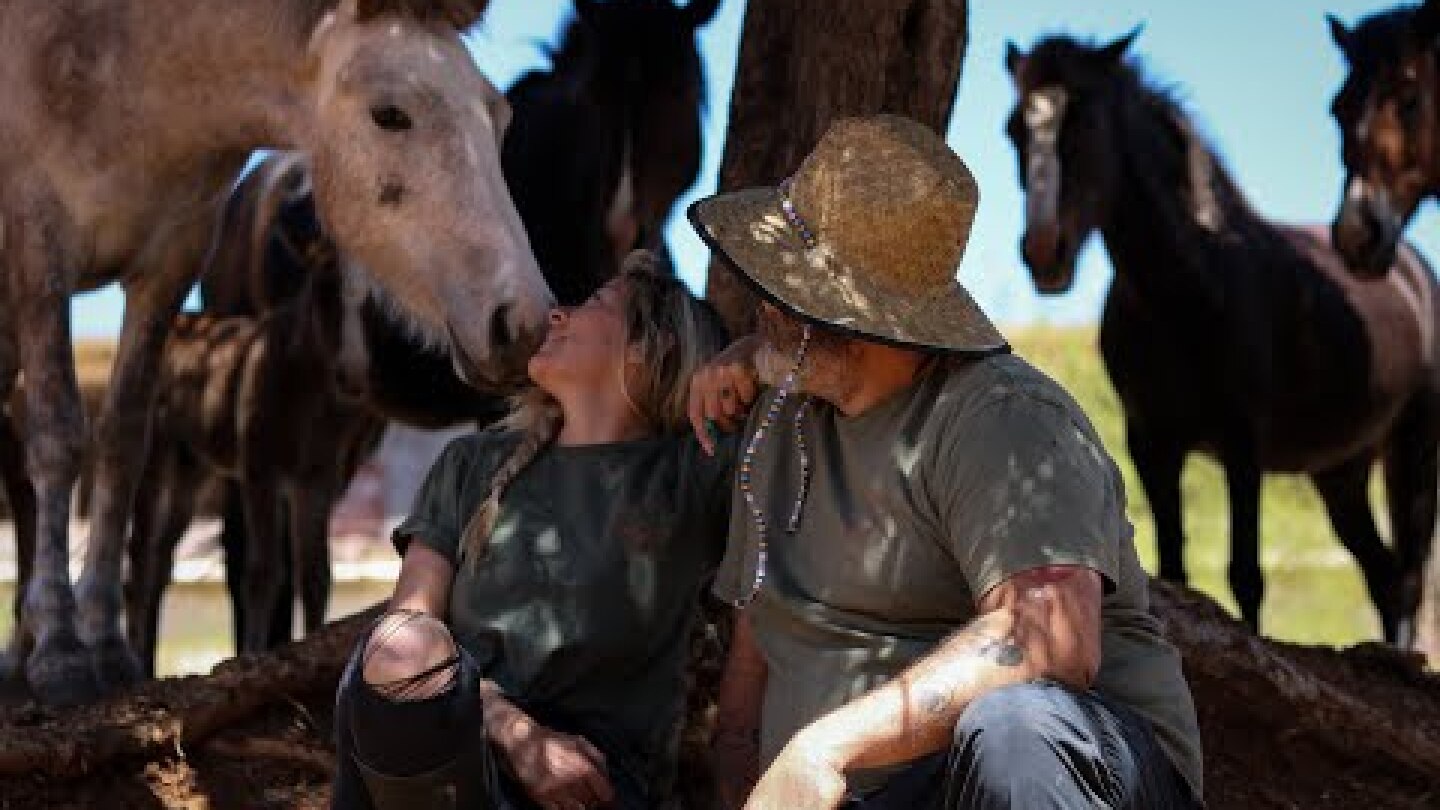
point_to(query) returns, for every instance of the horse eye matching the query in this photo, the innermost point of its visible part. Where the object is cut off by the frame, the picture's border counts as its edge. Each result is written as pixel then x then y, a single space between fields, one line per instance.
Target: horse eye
pixel 390 118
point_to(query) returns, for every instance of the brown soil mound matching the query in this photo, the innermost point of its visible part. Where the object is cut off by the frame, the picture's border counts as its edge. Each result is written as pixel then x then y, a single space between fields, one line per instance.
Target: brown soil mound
pixel 1285 727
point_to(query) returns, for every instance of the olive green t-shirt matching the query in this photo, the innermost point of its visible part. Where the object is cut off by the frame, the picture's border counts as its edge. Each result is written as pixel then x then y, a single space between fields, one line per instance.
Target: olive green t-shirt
pixel 916 508
pixel 581 606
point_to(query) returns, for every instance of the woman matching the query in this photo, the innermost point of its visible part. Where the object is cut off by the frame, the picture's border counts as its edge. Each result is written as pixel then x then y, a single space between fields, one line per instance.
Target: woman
pixel 533 654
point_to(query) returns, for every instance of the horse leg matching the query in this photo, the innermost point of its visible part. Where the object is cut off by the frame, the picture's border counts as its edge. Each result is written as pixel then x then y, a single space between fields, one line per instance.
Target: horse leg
pixel 173 494
pixel 1158 460
pixel 310 502
pixel 1247 582
pixel 21 497
pixel 1345 490
pixel 282 616
pixel 42 262
pixel 139 629
pixel 264 555
pixel 122 435
pixel 1411 471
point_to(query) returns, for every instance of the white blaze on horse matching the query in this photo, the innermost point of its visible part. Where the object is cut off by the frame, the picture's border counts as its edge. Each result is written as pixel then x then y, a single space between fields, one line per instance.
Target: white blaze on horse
pixel 124 123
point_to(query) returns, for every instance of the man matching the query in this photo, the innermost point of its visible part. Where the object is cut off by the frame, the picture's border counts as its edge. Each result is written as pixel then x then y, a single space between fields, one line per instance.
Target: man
pixel 942 605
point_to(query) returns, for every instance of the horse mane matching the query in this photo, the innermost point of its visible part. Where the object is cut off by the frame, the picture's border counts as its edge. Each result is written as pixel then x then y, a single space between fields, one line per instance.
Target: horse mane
pixel 1175 153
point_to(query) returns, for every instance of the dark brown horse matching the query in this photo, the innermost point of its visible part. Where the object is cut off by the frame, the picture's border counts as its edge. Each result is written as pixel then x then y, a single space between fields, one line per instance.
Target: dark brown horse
pixel 268 245
pixel 601 145
pixel 1388 111
pixel 1226 334
pixel 259 403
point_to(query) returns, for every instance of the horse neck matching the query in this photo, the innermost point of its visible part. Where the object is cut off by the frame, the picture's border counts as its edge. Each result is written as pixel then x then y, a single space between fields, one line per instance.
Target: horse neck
pixel 309 324
pixel 1174 207
pixel 414 383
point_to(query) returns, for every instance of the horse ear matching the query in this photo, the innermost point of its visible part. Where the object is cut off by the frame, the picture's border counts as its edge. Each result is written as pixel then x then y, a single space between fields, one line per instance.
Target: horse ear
pixel 585 10
pixel 699 12
pixel 1339 33
pixel 1426 22
pixel 1014 58
pixel 1115 51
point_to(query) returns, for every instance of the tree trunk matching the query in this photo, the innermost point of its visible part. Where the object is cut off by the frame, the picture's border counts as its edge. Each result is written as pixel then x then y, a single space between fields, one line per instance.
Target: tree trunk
pixel 1427 623
pixel 804 63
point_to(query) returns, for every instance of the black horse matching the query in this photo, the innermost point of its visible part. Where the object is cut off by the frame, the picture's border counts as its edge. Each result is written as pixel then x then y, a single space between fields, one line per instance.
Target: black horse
pixel 1225 333
pixel 601 145
pixel 1388 111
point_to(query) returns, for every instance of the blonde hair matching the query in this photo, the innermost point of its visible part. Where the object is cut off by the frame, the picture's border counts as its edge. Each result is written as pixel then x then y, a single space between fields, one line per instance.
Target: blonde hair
pixel 673 333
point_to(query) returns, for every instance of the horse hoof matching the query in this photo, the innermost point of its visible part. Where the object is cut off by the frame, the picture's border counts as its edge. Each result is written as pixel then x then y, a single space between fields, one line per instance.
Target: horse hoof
pixel 115 664
pixel 59 672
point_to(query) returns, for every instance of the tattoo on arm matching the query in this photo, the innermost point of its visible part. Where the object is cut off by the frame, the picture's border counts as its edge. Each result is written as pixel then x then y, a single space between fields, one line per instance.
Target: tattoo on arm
pixel 936 700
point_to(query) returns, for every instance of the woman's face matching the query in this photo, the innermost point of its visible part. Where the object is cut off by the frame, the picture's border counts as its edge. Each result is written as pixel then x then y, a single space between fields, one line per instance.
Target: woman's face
pixel 585 345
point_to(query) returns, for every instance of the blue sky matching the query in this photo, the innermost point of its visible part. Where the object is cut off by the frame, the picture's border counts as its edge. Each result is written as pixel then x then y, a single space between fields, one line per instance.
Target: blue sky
pixel 1256 76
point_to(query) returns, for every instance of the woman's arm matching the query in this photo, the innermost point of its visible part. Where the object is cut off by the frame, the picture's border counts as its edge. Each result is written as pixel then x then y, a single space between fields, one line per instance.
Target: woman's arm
pixel 424 582
pixel 735 748
pixel 554 768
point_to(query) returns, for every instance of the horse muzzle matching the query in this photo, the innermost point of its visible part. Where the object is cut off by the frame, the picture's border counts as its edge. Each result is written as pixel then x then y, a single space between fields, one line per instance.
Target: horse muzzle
pixel 1366 231
pixel 1051 262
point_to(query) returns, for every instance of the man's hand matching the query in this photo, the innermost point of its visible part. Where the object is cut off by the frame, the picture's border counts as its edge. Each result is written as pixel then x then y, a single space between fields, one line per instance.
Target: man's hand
pixel 558 771
pixel 723 389
pixel 802 777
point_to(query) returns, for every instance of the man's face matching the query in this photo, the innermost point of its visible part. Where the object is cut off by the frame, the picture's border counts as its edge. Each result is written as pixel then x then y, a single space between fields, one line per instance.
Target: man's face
pixel 827 372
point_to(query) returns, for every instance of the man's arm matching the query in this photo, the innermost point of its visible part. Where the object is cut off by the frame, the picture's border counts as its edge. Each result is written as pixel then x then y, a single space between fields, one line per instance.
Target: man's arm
pixel 1040 623
pixel 735 748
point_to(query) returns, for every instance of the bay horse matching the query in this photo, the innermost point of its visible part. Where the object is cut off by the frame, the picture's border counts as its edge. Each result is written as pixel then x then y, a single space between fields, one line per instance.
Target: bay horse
pixel 268 243
pixel 1226 334
pixel 1388 112
pixel 258 402
pixel 123 125
pixel 602 143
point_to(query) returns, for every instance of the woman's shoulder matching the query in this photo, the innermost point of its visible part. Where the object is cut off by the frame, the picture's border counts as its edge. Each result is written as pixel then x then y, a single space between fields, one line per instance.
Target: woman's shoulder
pixel 477 449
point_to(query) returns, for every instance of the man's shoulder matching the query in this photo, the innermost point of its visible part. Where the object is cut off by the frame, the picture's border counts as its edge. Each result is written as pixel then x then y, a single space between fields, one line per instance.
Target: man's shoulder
pixel 970 387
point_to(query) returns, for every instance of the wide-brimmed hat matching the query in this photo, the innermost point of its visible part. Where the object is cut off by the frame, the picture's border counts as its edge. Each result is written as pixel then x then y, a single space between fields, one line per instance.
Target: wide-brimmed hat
pixel 865 238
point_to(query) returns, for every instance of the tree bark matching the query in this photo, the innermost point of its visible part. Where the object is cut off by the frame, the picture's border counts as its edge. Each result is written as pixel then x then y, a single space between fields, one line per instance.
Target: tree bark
pixel 160 718
pixel 804 63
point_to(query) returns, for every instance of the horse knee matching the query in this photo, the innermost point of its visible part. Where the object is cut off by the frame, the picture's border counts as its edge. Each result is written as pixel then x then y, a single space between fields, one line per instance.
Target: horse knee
pixel 409 656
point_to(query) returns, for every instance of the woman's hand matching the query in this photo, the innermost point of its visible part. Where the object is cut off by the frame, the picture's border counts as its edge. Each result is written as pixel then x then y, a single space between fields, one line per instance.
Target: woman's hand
pixel 558 771
pixel 723 389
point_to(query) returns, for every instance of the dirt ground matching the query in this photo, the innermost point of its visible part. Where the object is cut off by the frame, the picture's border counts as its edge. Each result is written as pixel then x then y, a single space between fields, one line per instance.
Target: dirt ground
pixel 1285 726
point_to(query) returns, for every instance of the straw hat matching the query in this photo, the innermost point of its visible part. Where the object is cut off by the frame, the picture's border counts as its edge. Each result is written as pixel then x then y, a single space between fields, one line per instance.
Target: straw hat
pixel 865 238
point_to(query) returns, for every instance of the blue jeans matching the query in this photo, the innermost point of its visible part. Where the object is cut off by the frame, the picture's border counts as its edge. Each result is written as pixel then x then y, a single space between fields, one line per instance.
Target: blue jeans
pixel 1035 746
